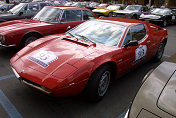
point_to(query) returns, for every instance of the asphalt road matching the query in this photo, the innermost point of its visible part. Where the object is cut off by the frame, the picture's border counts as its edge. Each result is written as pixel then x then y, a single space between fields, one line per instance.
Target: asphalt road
pixel 17 100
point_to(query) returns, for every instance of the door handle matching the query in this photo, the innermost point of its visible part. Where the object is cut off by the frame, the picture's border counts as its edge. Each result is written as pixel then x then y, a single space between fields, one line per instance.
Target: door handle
pixel 148 42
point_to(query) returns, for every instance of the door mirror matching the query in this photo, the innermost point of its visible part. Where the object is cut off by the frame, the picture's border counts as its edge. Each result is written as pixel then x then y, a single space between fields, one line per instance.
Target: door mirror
pixel 131 43
pixel 68 28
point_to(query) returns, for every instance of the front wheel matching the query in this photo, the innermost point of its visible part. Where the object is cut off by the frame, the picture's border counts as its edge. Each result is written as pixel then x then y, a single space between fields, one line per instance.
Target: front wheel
pixel 28 39
pixel 98 83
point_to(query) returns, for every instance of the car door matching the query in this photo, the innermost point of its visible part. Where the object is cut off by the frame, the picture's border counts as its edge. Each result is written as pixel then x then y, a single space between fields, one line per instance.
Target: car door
pixel 134 55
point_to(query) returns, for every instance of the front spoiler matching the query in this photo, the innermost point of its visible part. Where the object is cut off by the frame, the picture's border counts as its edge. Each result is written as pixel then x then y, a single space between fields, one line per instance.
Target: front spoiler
pixel 7 46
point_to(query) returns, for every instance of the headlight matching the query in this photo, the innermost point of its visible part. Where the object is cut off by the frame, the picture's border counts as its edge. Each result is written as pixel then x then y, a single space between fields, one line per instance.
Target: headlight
pixel 2 39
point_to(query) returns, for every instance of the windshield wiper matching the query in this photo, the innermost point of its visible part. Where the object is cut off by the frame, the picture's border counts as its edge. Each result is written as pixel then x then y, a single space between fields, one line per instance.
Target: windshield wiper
pixel 87 39
pixel 72 35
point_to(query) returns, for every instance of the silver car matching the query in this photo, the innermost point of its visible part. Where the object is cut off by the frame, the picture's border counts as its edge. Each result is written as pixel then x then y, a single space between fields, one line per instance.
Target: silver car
pixel 131 11
pixel 156 97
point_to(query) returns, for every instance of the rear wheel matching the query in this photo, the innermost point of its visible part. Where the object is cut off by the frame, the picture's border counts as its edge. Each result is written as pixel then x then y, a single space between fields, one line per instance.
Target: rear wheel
pixel 98 83
pixel 164 23
pixel 160 52
pixel 110 14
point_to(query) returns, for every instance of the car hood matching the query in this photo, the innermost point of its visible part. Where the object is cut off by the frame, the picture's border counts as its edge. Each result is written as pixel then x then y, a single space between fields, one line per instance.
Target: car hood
pixel 157 94
pixel 167 99
pixel 49 56
pixel 150 16
pixel 20 24
pixel 126 11
pixel 6 14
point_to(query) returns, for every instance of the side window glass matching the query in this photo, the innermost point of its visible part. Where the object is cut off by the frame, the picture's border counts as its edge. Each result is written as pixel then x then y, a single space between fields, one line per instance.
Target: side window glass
pixel 128 37
pixel 73 15
pixel 34 7
pixel 88 15
pixel 44 4
pixel 64 19
pixel 25 8
pixel 138 32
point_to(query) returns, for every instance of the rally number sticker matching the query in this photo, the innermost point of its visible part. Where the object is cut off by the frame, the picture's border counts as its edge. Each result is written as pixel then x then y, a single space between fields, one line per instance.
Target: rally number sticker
pixel 140 52
pixel 43 58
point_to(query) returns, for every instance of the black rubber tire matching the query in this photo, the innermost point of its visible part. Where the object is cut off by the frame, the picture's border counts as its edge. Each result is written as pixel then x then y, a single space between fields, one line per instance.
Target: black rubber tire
pixel 160 52
pixel 164 23
pixel 28 39
pixel 93 91
pixel 110 14
pixel 134 17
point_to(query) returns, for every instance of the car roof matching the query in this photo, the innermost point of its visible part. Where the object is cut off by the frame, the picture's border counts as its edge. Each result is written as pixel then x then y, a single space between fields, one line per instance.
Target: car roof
pixel 122 21
pixel 67 7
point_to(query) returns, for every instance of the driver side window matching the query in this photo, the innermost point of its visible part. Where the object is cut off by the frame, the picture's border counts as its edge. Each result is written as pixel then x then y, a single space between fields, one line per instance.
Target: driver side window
pixel 136 32
pixel 128 37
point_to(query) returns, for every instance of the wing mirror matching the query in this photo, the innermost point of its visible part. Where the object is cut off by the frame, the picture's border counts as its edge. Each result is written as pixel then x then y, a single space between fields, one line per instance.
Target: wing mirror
pixel 68 28
pixel 131 43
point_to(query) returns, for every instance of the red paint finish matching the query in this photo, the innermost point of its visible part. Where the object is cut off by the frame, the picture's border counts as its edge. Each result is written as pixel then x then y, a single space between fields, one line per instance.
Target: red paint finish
pixel 14 31
pixel 69 73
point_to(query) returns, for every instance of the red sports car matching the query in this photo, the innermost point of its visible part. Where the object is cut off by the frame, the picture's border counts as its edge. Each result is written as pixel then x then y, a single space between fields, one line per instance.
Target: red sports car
pixel 50 20
pixel 87 57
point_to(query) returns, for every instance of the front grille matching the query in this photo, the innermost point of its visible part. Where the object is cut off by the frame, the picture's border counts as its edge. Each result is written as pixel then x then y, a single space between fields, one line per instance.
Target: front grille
pixel 36 86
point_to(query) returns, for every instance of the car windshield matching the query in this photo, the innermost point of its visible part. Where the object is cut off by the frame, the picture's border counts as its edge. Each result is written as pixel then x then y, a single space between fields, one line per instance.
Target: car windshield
pixel 102 5
pixel 17 8
pixel 113 7
pixel 161 11
pixel 48 14
pixel 97 31
pixel 132 7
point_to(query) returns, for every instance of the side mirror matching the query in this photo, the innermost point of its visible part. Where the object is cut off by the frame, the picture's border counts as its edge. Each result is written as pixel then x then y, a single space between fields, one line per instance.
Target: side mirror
pixel 21 13
pixel 68 28
pixel 131 43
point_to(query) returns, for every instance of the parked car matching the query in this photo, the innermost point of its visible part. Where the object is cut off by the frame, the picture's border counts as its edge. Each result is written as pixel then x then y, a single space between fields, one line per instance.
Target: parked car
pixel 131 11
pixel 109 10
pixel 23 11
pixel 160 17
pixel 102 5
pixel 5 7
pixel 87 57
pixel 156 96
pixel 50 20
pixel 92 5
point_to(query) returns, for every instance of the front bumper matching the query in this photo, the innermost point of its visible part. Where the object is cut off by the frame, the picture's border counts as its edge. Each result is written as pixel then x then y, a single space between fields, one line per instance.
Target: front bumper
pixel 151 20
pixel 99 14
pixel 121 15
pixel 7 46
pixel 32 84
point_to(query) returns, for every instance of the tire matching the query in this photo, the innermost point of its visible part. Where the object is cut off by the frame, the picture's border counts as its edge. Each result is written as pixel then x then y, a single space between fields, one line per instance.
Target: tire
pixel 98 83
pixel 160 52
pixel 28 39
pixel 164 23
pixel 110 14
pixel 134 17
